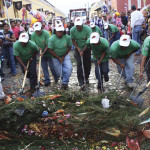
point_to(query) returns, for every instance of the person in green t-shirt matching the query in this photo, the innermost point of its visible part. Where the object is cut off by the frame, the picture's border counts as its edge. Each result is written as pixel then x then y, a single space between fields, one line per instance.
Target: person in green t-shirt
pixel 30 32
pixel 59 46
pixel 100 48
pixel 95 28
pixel 121 52
pixel 79 34
pixel 40 37
pixel 115 34
pixel 26 50
pixel 145 59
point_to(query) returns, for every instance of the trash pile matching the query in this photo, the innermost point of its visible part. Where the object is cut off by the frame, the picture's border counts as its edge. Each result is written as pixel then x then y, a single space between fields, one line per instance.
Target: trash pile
pixel 71 120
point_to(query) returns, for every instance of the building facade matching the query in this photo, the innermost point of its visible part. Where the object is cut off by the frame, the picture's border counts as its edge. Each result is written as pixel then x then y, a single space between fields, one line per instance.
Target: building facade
pixel 119 5
pixel 42 5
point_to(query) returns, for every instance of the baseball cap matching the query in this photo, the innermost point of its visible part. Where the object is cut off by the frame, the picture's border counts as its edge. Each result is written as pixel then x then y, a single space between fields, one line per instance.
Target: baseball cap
pixel 94 38
pixel 78 21
pixel 105 26
pixel 1 23
pixel 37 26
pixel 31 31
pixel 125 40
pixel 59 27
pixel 24 37
pixel 92 24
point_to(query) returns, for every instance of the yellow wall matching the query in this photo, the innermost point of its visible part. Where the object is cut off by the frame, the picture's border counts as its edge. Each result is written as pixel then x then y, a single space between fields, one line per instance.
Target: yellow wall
pixel 36 4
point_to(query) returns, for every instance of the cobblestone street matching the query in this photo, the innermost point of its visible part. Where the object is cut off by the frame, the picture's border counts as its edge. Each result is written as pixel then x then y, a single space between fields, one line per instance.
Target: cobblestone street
pixel 13 84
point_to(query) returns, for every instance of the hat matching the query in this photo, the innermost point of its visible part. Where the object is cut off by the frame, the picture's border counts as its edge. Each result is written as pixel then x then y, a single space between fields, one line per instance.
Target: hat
pixel 37 26
pixel 92 24
pixel 94 38
pixel 105 26
pixel 59 27
pixel 78 21
pixel 31 31
pixel 1 23
pixel 24 37
pixel 125 40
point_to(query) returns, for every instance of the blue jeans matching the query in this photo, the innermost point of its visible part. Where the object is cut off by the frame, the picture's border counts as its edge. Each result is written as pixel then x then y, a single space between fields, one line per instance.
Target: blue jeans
pixel 105 34
pixel 136 36
pixel 66 68
pixel 44 63
pixel 115 38
pixel 104 69
pixel 128 72
pixel 9 55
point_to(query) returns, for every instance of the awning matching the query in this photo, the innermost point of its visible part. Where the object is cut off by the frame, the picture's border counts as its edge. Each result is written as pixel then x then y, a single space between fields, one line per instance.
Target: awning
pixel 98 9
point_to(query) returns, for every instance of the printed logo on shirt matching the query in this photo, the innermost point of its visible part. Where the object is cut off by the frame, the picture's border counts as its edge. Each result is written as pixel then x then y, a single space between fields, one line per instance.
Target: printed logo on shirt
pixel 146 49
pixel 65 45
pixel 84 38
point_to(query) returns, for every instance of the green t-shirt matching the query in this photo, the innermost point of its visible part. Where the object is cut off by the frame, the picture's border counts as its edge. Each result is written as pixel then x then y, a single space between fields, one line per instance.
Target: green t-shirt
pixel 98 30
pixel 146 47
pixel 117 52
pixel 80 36
pixel 113 28
pixel 25 52
pixel 59 45
pixel 100 49
pixel 41 40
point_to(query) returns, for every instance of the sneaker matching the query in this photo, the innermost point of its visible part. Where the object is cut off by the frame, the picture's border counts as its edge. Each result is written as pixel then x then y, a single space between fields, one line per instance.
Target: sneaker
pixel 106 78
pixel 65 86
pixel 131 85
pixel 14 74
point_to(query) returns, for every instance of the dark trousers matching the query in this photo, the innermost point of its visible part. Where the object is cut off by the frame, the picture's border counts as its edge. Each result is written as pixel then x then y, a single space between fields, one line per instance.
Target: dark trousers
pixel 104 69
pixel 147 68
pixel 32 75
pixel 86 63
pixel 115 38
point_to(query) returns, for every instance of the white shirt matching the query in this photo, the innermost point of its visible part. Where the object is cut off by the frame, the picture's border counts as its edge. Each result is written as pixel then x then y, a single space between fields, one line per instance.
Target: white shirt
pixel 136 18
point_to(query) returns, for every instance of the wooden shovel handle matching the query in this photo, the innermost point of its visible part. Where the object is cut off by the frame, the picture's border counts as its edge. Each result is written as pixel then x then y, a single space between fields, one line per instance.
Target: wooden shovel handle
pixel 39 73
pixel 25 76
pixel 148 84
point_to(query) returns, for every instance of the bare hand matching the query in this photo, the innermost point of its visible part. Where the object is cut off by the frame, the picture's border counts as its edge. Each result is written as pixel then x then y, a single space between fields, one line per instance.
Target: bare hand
pixel 60 59
pixel 7 38
pixel 122 66
pixel 79 50
pixel 41 54
pixel 81 53
pixel 141 75
pixel 25 68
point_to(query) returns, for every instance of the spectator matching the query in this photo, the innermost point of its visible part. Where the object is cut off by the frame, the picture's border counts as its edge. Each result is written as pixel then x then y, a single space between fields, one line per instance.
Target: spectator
pixel 97 21
pixel 124 19
pixel 18 24
pixel 15 29
pixel 87 21
pixel 136 25
pixel 8 48
pixel 69 26
pixel 63 21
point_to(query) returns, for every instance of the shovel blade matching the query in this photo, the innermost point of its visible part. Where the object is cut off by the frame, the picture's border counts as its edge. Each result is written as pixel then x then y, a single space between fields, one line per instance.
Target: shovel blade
pixel 38 94
pixel 138 100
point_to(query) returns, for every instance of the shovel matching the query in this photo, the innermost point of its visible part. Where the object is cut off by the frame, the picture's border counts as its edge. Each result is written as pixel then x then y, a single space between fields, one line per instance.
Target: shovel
pixel 99 70
pixel 137 99
pixel 38 93
pixel 23 84
pixel 83 73
pixel 60 74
